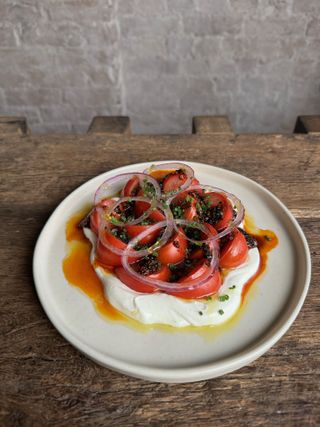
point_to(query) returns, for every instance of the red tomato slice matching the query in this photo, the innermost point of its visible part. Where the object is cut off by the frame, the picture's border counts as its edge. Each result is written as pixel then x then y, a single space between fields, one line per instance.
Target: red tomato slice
pixel 106 256
pixel 181 196
pixel 235 251
pixel 175 250
pixel 141 207
pixel 173 182
pixel 131 187
pixel 134 230
pixel 137 285
pixel 198 252
pixel 211 228
pixel 191 212
pixel 213 199
pixel 210 287
pixel 94 217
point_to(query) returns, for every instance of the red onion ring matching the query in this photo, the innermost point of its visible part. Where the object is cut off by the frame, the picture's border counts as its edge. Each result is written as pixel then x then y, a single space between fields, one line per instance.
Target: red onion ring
pixel 113 185
pixel 199 226
pixel 236 203
pixel 108 212
pixel 168 222
pixel 160 284
pixel 174 166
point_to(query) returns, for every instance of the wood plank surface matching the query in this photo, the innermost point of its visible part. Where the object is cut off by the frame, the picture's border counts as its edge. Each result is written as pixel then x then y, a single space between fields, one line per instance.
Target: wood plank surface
pixel 13 125
pixel 208 125
pixel 308 124
pixel 111 125
pixel 46 382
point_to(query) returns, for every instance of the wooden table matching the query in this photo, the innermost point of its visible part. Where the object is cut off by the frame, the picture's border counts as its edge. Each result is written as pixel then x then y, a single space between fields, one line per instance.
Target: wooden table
pixel 45 381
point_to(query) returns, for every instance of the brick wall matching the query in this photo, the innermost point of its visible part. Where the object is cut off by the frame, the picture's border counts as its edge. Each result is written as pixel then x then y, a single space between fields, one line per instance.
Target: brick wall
pixel 160 61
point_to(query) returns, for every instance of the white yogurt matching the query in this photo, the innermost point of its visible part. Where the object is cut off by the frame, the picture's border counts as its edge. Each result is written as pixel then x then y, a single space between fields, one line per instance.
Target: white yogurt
pixel 170 310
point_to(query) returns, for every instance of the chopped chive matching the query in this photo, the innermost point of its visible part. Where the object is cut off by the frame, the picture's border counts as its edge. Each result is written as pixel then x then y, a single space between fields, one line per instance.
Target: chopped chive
pixel 232 287
pixel 224 298
pixel 115 220
pixel 200 312
pixel 221 312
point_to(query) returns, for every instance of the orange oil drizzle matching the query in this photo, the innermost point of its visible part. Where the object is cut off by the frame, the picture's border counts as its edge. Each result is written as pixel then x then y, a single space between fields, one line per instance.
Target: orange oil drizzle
pixel 267 240
pixel 79 272
pixel 160 174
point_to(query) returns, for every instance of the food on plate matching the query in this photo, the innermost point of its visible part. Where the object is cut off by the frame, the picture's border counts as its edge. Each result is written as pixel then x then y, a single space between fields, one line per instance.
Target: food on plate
pixel 168 249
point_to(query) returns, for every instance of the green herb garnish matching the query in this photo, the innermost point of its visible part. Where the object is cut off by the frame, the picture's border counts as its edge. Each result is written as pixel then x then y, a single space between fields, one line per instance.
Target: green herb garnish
pixel 224 298
pixel 232 287
pixel 177 212
pixel 115 220
pixel 221 312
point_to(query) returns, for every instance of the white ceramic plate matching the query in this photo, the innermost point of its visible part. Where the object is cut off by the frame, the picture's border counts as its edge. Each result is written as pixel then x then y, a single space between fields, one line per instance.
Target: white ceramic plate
pixel 179 356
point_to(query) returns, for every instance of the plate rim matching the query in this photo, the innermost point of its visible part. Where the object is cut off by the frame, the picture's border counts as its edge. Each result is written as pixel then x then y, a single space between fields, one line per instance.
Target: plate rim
pixel 189 373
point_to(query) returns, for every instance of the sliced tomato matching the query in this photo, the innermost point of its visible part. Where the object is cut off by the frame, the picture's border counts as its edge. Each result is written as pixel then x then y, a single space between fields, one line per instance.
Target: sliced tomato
pixel 175 250
pixel 198 253
pixel 131 187
pixel 235 251
pixel 191 212
pixel 140 207
pixel 137 285
pixel 210 287
pixel 134 230
pixel 181 196
pixel 106 256
pixel 173 181
pixel 94 217
pixel 214 199
pixel 211 228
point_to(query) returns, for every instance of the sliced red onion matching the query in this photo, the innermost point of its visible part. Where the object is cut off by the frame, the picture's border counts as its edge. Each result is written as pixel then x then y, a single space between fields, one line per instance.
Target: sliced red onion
pixel 168 223
pixel 235 202
pixel 160 284
pixel 112 186
pixel 193 224
pixel 107 213
pixel 174 166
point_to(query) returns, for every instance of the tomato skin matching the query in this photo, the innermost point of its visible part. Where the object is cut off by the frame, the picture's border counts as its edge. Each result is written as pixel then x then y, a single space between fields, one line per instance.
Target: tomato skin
pixel 211 228
pixel 94 217
pixel 134 230
pixel 155 215
pixel 173 181
pixel 235 251
pixel 140 208
pixel 131 187
pixel 106 256
pixel 175 250
pixel 191 212
pixel 181 196
pixel 137 285
pixel 213 199
pixel 209 287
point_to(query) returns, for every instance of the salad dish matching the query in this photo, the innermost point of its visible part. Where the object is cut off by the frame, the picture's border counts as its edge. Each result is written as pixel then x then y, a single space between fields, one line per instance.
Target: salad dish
pixel 168 249
pixel 161 272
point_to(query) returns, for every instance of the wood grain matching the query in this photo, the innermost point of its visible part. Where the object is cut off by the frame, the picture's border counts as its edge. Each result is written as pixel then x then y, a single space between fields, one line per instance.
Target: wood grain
pixel 111 125
pixel 45 381
pixel 308 124
pixel 13 125
pixel 207 125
